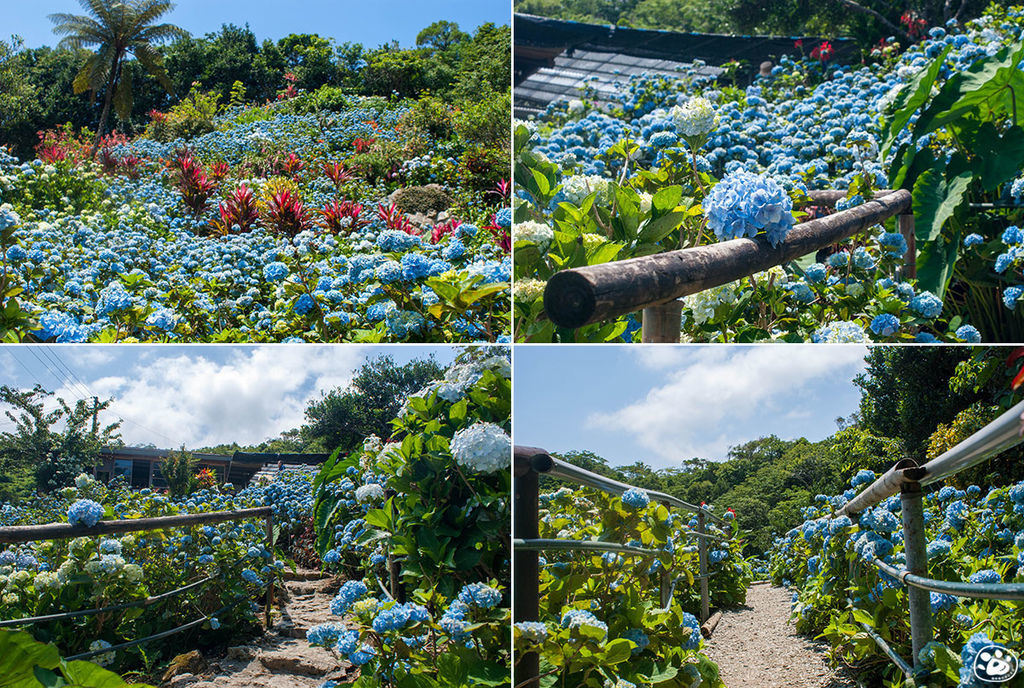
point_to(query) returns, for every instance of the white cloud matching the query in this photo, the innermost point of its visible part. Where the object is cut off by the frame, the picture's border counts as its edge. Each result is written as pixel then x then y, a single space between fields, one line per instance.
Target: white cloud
pixel 710 393
pixel 192 399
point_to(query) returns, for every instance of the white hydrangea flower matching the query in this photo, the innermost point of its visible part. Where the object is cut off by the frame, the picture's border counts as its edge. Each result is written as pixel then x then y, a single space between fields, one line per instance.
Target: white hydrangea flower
pixel 578 186
pixel 535 232
pixel 776 274
pixel 103 659
pixel 704 303
pixel 46 580
pixel 483 447
pixel 83 481
pixel 368 493
pixel 695 118
pixel 528 290
pixel 576 106
pixel 645 201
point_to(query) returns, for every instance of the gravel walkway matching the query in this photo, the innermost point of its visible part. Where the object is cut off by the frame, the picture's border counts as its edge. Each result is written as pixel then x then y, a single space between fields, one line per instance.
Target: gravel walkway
pixel 756 646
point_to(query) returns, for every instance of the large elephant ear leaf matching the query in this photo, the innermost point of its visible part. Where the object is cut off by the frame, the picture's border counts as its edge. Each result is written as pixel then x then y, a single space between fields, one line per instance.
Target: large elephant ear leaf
pixel 20 654
pixel 912 97
pixel 935 201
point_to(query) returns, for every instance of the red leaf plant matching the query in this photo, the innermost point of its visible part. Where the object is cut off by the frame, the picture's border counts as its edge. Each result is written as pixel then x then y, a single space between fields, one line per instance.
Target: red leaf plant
pixel 443 229
pixel 239 209
pixel 338 173
pixel 286 213
pixel 343 217
pixel 395 219
pixel 502 237
pixel 191 180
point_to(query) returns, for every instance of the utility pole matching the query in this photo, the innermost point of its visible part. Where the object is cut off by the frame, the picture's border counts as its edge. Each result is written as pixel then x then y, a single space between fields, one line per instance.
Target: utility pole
pixel 95 413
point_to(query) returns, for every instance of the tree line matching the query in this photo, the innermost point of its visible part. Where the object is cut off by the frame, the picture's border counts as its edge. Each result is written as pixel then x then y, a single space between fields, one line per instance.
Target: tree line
pixel 915 403
pixel 138 66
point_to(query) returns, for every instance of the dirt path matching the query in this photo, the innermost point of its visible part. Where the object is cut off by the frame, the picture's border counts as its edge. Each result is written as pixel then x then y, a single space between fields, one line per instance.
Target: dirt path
pixel 282 658
pixel 757 646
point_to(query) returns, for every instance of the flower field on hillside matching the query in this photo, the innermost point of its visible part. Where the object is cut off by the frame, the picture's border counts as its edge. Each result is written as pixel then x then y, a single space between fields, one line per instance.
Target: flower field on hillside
pixel 309 219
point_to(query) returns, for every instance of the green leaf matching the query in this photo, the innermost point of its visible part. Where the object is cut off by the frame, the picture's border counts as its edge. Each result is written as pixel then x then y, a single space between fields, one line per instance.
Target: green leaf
pixel 934 200
pixel 543 185
pixel 89 675
pixel 863 617
pixel 655 230
pixel 913 96
pixel 617 651
pixel 667 199
pixel 20 654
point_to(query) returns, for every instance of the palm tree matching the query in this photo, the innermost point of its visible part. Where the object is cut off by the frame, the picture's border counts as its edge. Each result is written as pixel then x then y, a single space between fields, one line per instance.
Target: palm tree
pixel 117 27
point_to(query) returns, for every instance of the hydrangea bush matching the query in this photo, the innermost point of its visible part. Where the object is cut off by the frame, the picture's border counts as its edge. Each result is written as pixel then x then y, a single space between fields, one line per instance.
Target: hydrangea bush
pixel 601 618
pixel 439 520
pixel 656 172
pixel 973 535
pixel 55 576
pixel 280 227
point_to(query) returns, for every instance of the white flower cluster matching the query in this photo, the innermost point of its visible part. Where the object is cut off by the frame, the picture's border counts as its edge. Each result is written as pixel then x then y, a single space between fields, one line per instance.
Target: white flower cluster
pixel 483 447
pixel 368 493
pixel 704 303
pixel 83 481
pixel 578 186
pixel 528 289
pixel 535 232
pixel 695 118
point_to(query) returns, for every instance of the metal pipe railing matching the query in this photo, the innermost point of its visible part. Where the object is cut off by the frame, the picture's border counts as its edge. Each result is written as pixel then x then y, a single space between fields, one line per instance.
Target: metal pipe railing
pixel 542 462
pixel 63 531
pixel 529 463
pixel 907 478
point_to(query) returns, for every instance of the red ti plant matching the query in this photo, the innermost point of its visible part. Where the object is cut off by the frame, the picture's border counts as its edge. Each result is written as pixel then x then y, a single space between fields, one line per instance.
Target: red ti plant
pixel 342 218
pixel 395 219
pixel 502 237
pixel 337 173
pixel 130 166
pixel 362 145
pixel 290 91
pixel 286 214
pixel 239 209
pixel 107 161
pixel 195 187
pixel 823 51
pixel 293 165
pixel 443 229
pixel 502 189
pixel 219 170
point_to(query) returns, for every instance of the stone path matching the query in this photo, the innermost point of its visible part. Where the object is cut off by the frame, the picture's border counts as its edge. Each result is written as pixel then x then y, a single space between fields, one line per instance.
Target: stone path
pixel 756 645
pixel 282 658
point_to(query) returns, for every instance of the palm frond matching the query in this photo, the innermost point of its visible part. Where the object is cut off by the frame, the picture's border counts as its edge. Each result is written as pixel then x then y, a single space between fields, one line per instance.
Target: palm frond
pixel 153 61
pixel 94 72
pixel 160 33
pixel 148 10
pixel 98 8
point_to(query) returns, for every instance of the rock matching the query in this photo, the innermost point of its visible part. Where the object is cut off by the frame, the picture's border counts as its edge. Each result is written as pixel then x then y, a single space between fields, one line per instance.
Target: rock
pixel 431 199
pixel 181 680
pixel 241 652
pixel 296 657
pixel 188 663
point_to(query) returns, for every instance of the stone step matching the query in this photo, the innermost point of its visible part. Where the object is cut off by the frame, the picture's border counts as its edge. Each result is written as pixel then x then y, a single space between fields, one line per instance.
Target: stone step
pixel 298 657
pixel 304 575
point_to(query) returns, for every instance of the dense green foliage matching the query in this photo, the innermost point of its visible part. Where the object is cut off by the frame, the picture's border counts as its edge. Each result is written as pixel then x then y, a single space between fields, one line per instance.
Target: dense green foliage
pixel 36 90
pixel 915 402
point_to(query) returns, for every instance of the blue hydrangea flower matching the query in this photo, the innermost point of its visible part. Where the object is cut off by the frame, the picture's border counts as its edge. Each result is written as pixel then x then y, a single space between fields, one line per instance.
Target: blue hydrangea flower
pixel 1011 295
pixel 744 204
pixel 973 240
pixel 968 333
pixel 885 325
pixel 635 499
pixel 85 512
pixel 927 305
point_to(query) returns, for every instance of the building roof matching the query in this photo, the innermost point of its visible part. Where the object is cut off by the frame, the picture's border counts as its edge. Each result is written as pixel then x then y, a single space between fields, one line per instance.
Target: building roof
pixel 254 458
pixel 554 58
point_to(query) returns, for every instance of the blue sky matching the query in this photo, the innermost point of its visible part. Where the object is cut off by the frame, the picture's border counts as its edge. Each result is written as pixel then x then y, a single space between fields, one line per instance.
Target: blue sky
pixel 170 395
pixel 356 21
pixel 664 404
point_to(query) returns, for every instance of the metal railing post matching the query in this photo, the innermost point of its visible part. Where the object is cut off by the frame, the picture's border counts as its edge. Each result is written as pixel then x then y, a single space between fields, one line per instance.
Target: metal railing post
pixel 269 527
pixel 662 323
pixel 906 225
pixel 915 546
pixel 702 553
pixel 526 563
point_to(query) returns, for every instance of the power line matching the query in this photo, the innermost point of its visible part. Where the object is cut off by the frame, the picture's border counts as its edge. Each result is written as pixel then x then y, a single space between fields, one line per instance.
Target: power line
pixel 53 355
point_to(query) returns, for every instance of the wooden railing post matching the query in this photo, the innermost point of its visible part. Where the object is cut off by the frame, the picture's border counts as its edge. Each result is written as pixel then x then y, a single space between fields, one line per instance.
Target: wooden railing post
pixel 662 323
pixel 916 550
pixel 526 606
pixel 906 224
pixel 269 527
pixel 702 553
